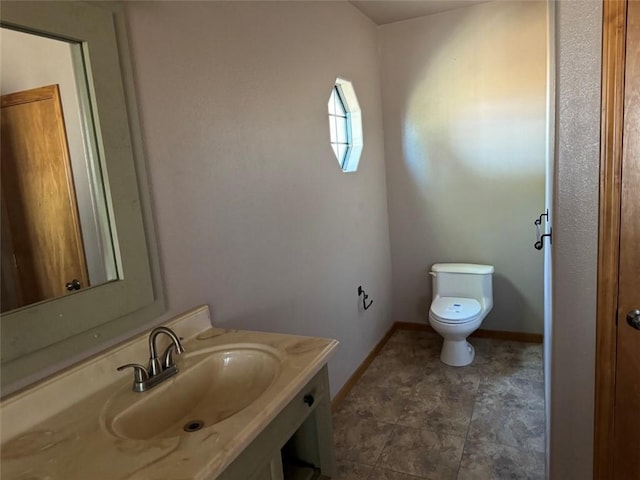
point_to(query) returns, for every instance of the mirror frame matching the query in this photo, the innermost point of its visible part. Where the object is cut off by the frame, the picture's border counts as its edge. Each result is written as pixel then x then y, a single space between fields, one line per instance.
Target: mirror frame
pixel 39 339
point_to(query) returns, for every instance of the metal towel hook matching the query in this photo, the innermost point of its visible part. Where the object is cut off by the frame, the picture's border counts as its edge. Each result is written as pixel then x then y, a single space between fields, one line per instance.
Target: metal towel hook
pixel 362 293
pixel 540 243
pixel 538 221
pixel 540 238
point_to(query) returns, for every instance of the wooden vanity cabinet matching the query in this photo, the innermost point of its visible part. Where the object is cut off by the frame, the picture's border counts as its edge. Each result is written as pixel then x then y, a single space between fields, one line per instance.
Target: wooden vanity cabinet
pixel 304 426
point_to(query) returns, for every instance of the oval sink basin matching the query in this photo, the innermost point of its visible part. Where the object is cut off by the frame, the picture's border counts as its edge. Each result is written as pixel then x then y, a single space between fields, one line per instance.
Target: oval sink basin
pixel 210 386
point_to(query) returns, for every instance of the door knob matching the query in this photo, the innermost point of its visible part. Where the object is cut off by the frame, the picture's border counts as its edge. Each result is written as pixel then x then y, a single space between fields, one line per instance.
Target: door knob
pixel 633 319
pixel 73 285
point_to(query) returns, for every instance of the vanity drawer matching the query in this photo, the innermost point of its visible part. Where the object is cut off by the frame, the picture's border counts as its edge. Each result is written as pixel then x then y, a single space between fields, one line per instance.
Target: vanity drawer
pixel 303 404
pixel 257 460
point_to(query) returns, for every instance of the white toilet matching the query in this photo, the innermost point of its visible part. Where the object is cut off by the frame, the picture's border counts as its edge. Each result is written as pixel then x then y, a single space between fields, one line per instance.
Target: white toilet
pixel 462 297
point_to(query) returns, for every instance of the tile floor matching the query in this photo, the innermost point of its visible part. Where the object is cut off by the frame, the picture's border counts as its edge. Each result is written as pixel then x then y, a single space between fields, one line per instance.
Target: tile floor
pixel 410 417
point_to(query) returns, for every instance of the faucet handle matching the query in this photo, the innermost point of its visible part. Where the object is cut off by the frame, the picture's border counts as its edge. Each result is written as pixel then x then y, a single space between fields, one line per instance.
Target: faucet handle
pixel 140 375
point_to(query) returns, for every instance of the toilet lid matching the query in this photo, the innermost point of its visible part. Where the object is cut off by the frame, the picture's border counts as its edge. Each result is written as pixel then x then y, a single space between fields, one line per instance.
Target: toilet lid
pixel 455 309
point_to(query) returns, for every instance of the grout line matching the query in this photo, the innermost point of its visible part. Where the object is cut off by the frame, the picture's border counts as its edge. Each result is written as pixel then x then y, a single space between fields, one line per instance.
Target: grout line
pixel 466 437
pixel 376 463
pixel 519 448
pixel 395 424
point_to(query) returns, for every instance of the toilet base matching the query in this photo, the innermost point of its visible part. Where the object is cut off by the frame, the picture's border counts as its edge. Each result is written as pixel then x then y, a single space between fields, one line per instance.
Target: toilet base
pixel 457 353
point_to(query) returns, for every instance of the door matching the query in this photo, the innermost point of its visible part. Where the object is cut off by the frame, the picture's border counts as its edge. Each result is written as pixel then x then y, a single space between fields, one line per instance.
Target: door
pixel 617 416
pixel 40 215
pixel 627 391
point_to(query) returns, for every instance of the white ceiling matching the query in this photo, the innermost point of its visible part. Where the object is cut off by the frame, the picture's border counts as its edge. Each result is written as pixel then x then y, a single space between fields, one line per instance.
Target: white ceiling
pixel 389 11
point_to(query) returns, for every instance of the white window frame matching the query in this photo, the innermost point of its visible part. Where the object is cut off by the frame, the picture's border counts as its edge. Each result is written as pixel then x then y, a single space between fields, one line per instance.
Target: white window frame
pixel 354 144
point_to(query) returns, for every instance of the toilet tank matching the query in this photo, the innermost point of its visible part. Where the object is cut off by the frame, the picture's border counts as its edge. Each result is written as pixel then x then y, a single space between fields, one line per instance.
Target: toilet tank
pixel 465 280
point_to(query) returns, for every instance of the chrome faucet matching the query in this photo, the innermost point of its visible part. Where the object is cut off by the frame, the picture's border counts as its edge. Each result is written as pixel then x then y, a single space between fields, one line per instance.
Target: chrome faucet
pixel 158 370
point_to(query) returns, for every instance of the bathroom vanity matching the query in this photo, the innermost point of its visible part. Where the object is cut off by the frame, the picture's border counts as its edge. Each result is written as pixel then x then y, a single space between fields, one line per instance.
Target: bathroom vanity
pixel 243 406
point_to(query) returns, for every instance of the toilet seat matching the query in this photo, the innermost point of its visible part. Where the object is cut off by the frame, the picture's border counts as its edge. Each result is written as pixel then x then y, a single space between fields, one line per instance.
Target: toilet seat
pixel 454 310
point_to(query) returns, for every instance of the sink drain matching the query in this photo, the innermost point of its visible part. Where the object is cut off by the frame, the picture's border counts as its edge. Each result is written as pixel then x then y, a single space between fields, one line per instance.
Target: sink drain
pixel 193 426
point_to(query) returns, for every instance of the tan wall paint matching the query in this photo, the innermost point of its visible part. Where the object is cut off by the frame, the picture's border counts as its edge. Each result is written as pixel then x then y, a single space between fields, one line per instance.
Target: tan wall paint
pixel 575 238
pixel 464 119
pixel 254 216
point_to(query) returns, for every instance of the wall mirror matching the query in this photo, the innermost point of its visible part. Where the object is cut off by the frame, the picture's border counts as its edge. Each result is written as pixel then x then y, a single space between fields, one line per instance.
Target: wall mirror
pixel 79 263
pixel 55 247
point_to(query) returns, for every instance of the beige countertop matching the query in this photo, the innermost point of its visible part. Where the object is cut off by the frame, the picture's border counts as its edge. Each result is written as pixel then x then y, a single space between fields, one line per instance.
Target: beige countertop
pixel 55 430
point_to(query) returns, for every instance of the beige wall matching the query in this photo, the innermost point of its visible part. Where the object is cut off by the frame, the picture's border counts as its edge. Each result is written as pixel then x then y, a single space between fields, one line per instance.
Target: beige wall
pixel 464 119
pixel 254 216
pixel 575 235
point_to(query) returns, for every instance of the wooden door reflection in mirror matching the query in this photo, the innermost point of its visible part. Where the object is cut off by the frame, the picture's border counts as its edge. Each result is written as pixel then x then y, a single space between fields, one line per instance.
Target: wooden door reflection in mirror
pixel 42 249
pixel 55 237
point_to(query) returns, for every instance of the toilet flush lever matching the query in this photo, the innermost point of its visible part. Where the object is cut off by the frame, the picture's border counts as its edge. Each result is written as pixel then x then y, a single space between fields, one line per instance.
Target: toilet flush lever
pixel 362 293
